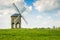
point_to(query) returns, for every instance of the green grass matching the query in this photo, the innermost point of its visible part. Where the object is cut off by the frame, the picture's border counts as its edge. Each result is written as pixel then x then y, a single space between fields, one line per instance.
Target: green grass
pixel 30 34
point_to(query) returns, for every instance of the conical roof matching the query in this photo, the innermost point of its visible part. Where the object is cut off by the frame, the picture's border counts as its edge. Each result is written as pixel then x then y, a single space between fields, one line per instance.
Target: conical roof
pixel 15 15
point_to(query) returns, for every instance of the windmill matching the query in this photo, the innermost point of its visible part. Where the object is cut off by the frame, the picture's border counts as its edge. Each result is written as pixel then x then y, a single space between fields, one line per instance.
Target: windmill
pixel 16 18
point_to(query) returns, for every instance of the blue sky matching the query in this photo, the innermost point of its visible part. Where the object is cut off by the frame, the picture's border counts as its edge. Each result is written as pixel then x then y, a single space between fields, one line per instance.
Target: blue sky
pixel 38 13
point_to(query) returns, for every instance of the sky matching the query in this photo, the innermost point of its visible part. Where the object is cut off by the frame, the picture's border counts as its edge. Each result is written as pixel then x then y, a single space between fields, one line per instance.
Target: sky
pixel 38 13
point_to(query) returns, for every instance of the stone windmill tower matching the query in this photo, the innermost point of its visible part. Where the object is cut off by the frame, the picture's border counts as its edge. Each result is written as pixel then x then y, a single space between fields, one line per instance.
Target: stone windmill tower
pixel 16 24
pixel 16 19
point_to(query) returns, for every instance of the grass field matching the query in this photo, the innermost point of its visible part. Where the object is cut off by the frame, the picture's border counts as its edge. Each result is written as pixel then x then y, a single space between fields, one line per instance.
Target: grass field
pixel 30 34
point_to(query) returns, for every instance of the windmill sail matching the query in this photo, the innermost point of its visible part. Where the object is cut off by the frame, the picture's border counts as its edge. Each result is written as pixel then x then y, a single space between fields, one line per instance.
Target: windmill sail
pixel 24 20
pixel 23 9
pixel 19 14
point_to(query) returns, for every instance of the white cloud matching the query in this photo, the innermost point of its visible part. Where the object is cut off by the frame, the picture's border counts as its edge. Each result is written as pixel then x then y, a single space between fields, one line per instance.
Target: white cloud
pixel 0 15
pixel 39 17
pixel 4 4
pixel 7 6
pixel 58 13
pixel 30 7
pixel 45 22
pixel 49 17
pixel 7 2
pixel 43 5
pixel 7 12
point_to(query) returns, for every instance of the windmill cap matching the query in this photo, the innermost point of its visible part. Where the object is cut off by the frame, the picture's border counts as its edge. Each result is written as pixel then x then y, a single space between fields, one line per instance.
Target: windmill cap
pixel 15 15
